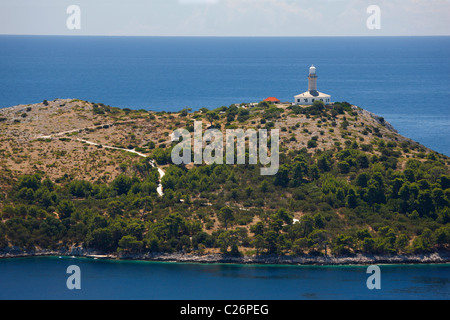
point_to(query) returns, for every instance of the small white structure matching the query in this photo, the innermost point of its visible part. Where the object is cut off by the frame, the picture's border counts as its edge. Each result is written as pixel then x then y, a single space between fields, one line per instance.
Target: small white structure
pixel 308 97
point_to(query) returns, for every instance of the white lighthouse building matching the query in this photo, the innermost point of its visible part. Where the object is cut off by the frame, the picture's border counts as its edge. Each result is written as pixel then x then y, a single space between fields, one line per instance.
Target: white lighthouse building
pixel 308 97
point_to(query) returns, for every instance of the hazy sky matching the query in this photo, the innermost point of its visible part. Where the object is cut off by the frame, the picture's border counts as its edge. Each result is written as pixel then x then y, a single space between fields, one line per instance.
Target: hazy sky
pixel 226 17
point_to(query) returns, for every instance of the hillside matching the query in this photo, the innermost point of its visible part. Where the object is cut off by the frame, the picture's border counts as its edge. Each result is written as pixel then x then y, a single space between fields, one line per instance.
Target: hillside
pixel 77 173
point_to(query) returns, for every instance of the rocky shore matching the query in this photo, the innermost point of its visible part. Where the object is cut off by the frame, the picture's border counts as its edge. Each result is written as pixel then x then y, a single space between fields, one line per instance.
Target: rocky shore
pixel 358 259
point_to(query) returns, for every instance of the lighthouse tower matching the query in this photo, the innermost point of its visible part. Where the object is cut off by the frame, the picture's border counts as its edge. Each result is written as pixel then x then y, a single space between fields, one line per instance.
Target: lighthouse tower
pixel 312 79
pixel 308 97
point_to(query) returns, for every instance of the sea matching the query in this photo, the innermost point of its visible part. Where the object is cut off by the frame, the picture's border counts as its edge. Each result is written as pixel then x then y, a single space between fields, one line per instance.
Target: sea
pixel 406 80
pixel 47 278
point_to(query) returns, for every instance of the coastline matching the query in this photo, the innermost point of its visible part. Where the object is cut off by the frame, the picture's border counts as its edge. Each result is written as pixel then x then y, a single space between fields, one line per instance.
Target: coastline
pixel 441 257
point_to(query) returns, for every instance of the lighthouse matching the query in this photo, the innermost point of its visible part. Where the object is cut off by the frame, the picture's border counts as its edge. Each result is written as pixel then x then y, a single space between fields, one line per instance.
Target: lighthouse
pixel 308 97
pixel 312 79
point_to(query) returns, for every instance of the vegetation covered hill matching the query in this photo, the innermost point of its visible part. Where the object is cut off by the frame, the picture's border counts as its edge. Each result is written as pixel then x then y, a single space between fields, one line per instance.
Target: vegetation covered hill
pixel 76 173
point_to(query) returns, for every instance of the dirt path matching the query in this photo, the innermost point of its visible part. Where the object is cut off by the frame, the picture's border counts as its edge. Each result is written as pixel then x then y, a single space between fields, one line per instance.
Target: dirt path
pixel 161 172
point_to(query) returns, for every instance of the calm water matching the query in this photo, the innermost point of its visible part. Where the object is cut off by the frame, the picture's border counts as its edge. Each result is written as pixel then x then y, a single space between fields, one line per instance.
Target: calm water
pixel 404 79
pixel 45 278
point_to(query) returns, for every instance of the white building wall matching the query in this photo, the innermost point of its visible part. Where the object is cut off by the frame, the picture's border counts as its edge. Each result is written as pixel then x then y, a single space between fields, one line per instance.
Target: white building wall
pixel 325 99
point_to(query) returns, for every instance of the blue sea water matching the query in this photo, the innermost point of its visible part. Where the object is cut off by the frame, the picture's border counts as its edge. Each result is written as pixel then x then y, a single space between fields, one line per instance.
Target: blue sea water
pixel 46 277
pixel 404 79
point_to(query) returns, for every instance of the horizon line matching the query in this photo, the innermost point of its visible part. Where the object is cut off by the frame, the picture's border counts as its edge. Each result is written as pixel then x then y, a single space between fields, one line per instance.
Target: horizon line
pixel 224 36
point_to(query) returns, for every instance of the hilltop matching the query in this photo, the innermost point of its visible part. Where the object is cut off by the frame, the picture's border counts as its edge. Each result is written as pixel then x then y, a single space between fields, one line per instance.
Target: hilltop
pixel 47 137
pixel 83 174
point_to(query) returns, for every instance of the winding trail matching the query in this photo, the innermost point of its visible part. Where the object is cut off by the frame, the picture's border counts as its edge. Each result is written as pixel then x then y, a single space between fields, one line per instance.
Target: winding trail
pixel 161 172
pixel 115 148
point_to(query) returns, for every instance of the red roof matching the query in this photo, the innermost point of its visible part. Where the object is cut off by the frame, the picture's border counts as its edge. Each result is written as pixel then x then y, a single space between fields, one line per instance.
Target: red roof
pixel 273 99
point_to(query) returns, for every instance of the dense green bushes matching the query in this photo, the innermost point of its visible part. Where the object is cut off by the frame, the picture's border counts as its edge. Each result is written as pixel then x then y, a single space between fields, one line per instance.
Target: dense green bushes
pixel 345 202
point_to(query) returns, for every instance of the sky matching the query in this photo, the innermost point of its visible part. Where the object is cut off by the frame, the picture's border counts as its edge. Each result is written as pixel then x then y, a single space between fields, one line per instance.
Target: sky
pixel 226 17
